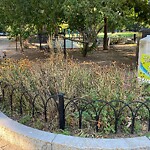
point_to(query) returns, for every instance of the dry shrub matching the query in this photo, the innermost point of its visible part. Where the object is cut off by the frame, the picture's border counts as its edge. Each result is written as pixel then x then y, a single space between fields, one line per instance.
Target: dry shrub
pixel 59 75
pixel 69 77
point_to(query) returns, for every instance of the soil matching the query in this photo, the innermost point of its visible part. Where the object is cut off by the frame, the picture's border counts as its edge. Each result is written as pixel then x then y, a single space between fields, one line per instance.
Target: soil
pixel 31 53
pixel 120 54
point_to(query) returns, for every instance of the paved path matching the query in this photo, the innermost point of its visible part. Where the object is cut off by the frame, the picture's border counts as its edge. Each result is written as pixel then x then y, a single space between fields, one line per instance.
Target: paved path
pixel 70 44
pixel 3 145
pixel 6 146
pixel 6 46
pixel 5 43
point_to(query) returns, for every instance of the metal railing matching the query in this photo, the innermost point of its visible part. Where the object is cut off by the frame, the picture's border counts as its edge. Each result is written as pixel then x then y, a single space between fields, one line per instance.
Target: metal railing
pixel 79 109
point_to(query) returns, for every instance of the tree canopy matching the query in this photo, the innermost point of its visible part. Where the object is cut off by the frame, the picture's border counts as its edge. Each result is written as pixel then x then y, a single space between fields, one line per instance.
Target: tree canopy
pixel 24 17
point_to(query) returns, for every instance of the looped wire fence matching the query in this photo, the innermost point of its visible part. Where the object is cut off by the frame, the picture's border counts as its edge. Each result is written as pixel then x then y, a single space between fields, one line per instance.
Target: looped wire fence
pixel 80 112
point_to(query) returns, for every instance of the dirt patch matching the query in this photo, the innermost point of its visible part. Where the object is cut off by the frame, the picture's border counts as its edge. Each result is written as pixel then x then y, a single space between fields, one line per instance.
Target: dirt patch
pixel 31 54
pixel 120 54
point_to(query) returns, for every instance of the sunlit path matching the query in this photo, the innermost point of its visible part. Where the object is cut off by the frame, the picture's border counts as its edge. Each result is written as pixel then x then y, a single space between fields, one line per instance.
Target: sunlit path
pixel 6 46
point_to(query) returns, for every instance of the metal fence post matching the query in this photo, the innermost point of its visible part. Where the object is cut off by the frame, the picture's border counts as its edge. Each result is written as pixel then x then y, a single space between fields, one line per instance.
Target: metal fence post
pixel 149 124
pixel 133 124
pixel 65 54
pixel 61 111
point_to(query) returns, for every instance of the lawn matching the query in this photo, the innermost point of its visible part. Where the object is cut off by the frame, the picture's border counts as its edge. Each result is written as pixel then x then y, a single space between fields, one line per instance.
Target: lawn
pixel 119 34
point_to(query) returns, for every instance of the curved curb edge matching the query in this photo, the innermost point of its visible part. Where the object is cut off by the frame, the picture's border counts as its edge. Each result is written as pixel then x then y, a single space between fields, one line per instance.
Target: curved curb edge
pixel 26 138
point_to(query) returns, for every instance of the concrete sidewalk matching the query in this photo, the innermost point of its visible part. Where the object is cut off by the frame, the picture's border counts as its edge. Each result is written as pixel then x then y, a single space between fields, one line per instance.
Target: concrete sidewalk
pixel 3 145
pixel 6 46
pixel 7 146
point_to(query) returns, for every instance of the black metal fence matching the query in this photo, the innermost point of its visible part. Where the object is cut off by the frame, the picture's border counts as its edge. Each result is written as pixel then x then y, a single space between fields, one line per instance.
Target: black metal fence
pixel 94 113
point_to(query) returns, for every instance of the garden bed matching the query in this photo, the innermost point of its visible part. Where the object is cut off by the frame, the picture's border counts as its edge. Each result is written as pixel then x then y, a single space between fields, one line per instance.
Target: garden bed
pixel 27 90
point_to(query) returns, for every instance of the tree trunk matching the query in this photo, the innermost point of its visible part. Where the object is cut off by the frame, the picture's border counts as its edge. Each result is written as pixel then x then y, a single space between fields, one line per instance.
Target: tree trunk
pixel 85 49
pixel 16 43
pixel 65 53
pixel 94 45
pixel 21 45
pixel 40 40
pixel 105 40
pixel 49 42
pixel 137 54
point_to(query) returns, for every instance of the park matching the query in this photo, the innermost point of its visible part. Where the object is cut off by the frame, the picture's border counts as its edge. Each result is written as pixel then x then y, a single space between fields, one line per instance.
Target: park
pixel 74 74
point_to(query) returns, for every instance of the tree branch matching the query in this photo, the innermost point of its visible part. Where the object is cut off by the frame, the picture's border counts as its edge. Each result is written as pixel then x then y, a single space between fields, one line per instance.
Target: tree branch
pixel 100 29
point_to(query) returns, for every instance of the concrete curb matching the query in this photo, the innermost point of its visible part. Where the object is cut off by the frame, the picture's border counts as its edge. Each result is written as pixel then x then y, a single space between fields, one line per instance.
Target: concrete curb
pixel 26 138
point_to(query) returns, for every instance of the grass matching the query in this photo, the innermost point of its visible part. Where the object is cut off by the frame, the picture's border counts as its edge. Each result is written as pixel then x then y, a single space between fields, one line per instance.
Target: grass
pixel 118 34
pixel 115 37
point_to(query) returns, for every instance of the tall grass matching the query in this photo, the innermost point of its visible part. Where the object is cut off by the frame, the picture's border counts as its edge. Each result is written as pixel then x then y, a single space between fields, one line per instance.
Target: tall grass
pixel 59 75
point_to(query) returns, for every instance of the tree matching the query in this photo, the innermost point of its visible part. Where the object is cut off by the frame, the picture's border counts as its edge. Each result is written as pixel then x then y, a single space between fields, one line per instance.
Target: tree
pixel 45 16
pixel 22 17
pixel 88 18
pixel 85 17
pixel 14 12
pixel 137 14
pixel 142 15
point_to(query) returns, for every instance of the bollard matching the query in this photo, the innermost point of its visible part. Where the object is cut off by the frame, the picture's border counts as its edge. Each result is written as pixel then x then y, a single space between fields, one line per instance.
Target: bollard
pixel 134 38
pixel 65 53
pixel 61 111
